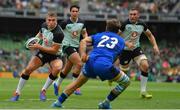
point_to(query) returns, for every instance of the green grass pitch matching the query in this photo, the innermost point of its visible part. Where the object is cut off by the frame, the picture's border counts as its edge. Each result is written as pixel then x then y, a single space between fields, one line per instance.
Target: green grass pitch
pixel 165 96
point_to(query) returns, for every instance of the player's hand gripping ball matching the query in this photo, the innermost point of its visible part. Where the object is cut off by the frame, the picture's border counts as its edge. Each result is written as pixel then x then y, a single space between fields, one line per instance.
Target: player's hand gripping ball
pixel 31 41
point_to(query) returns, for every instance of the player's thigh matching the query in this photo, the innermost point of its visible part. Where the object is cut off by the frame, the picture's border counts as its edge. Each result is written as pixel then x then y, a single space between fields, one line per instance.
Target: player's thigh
pixel 72 54
pixel 125 57
pixel 75 58
pixel 105 70
pixel 144 65
pixel 125 60
pixel 88 69
pixel 64 59
pixel 138 56
pixel 34 63
pixel 117 62
pixel 68 66
pixel 141 60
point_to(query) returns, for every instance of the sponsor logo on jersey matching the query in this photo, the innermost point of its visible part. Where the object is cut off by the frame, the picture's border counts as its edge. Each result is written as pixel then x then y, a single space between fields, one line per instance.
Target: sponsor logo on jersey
pixel 134 34
pixel 74 34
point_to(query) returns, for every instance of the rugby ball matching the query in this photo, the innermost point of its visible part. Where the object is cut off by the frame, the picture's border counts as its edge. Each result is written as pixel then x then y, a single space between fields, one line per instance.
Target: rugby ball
pixel 31 41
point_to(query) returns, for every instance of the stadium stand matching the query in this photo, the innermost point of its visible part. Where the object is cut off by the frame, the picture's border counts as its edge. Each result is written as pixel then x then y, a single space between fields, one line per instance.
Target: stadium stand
pixel 122 6
pixel 152 10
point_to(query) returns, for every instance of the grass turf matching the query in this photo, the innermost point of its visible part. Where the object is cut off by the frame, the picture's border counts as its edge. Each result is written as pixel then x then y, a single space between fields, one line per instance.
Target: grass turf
pixel 165 96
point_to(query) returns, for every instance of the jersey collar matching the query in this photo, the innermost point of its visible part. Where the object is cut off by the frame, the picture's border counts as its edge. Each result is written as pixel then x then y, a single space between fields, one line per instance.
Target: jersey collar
pixel 73 21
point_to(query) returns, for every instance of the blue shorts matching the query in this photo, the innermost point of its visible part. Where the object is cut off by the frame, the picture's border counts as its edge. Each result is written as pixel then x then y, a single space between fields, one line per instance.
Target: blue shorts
pixel 100 67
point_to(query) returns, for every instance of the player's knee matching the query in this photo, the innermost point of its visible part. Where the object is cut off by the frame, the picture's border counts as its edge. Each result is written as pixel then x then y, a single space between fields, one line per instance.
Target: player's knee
pixel 144 66
pixel 125 81
pixel 56 70
pixel 28 71
pixel 124 68
pixel 79 65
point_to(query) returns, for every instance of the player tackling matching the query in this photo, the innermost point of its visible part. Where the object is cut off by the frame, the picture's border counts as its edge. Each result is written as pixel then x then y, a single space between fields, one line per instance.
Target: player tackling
pixel 106 48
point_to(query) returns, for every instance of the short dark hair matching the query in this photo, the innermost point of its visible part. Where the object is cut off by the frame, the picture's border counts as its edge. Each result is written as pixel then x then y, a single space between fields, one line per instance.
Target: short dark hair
pixel 74 6
pixel 113 25
pixel 132 9
pixel 52 14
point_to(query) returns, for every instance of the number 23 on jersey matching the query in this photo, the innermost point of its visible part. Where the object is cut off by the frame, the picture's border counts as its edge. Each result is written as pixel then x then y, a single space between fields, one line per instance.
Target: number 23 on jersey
pixel 108 42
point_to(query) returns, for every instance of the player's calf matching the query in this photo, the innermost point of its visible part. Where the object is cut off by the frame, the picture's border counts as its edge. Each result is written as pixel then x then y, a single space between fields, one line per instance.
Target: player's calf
pixel 123 83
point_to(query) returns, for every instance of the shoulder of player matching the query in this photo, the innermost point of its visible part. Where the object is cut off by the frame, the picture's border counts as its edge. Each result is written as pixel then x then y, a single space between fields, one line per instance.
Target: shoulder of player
pixel 126 22
pixel 80 20
pixel 57 30
pixel 65 22
pixel 68 21
pixel 140 22
pixel 107 33
pixel 58 27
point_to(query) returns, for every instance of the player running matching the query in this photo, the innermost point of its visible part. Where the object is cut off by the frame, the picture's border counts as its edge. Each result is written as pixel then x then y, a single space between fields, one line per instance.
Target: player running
pixel 73 28
pixel 131 31
pixel 48 52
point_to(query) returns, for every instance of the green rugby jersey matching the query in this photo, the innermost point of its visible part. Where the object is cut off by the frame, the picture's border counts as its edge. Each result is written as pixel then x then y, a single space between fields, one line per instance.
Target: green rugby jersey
pixel 132 32
pixel 51 36
pixel 72 32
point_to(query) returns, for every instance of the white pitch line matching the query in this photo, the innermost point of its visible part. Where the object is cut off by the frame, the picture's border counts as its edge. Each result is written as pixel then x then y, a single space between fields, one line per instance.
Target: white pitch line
pixel 32 99
pixel 49 99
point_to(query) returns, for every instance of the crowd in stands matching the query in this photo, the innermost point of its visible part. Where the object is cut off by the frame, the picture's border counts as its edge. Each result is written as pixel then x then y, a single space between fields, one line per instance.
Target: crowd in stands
pixel 122 6
pixel 15 61
pixel 42 5
pixel 163 68
pixel 96 6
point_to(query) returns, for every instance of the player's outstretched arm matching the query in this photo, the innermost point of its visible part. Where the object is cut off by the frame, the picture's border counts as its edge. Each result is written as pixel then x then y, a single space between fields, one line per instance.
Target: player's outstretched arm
pixel 82 48
pixel 153 41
